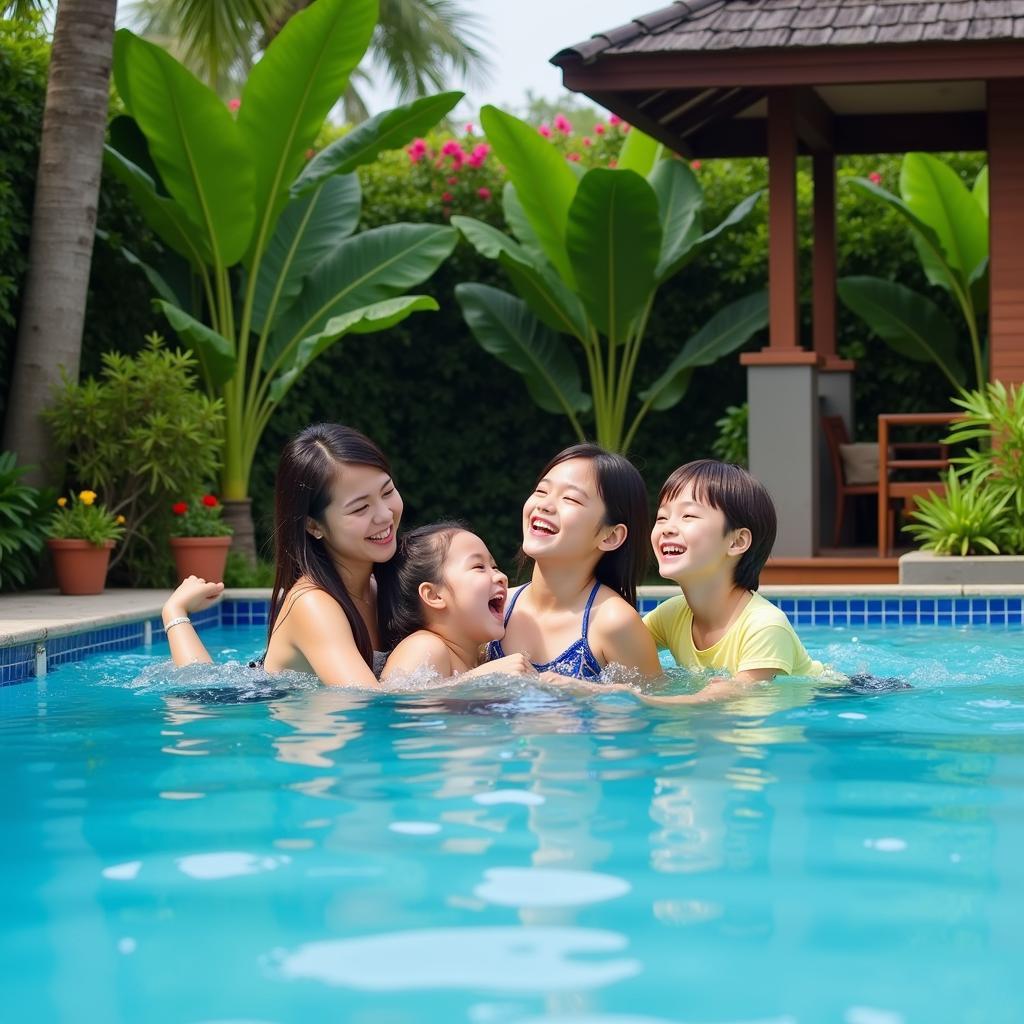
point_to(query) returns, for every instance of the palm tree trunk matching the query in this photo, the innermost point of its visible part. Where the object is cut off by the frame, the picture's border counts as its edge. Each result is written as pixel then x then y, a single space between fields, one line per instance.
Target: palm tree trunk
pixel 63 221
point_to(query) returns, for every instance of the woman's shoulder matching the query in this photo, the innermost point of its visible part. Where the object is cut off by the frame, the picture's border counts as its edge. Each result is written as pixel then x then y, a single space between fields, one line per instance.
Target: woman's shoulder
pixel 310 604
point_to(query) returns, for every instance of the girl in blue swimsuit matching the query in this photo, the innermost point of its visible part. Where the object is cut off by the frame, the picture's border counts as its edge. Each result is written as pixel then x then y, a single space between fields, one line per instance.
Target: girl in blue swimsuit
pixel 585 526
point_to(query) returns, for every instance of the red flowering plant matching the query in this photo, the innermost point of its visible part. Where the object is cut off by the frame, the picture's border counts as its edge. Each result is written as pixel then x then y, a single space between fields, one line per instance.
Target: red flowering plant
pixel 200 517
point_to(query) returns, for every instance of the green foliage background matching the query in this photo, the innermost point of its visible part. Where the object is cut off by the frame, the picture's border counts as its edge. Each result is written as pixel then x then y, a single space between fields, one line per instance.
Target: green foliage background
pixel 464 437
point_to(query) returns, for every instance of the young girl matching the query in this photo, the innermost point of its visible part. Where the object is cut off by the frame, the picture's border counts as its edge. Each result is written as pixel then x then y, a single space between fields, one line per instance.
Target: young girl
pixel 585 527
pixel 444 601
pixel 337 512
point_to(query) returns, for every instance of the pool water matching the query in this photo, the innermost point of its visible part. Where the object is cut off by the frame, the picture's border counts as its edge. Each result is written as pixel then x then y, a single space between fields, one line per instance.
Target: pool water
pixel 198 846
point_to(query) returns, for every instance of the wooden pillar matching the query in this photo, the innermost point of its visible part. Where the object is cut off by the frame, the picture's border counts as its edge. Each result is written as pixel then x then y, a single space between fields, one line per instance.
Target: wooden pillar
pixel 1006 229
pixel 783 254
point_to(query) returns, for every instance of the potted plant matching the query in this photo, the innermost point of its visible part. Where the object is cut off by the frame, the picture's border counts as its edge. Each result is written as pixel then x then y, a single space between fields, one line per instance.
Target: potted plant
pixel 200 538
pixel 81 535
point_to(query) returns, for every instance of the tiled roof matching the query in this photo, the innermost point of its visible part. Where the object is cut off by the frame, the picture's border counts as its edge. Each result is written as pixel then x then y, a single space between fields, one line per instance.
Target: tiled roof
pixel 696 25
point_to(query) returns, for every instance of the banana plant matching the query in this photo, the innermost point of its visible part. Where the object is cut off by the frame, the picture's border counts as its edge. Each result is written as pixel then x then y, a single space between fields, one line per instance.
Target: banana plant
pixel 265 269
pixel 949 225
pixel 586 254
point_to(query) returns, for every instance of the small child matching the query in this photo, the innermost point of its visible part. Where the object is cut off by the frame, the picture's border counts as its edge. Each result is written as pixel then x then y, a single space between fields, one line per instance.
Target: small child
pixel 442 600
pixel 714 531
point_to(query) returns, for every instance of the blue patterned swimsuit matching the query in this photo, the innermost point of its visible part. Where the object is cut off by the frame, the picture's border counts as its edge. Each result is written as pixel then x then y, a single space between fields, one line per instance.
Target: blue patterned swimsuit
pixel 577 660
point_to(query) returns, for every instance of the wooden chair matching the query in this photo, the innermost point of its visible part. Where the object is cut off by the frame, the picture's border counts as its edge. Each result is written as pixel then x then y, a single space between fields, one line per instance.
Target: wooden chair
pixel 929 456
pixel 834 429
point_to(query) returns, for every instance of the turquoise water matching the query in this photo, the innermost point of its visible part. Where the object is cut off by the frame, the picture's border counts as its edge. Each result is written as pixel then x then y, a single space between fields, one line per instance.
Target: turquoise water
pixel 505 855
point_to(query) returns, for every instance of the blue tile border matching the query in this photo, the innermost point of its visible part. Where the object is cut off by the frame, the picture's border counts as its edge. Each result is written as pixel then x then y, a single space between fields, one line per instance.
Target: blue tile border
pixel 19 661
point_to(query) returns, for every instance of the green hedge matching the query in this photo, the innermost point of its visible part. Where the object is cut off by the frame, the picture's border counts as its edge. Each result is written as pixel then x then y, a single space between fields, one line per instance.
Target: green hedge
pixel 119 311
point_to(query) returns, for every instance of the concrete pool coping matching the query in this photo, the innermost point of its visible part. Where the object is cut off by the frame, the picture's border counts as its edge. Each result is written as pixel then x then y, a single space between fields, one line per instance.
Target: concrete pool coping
pixel 44 614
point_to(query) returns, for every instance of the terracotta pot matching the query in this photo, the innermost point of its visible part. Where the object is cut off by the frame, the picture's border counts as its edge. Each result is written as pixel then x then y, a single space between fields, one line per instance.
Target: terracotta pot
pixel 200 556
pixel 81 567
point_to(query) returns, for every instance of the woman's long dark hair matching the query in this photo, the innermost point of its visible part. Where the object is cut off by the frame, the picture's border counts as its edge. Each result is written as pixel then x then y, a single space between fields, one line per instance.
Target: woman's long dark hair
pixel 420 559
pixel 306 474
pixel 622 490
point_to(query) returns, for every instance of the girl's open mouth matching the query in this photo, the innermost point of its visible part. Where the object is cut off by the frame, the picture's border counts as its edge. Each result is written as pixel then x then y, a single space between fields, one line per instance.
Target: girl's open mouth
pixel 542 527
pixel 672 550
pixel 496 605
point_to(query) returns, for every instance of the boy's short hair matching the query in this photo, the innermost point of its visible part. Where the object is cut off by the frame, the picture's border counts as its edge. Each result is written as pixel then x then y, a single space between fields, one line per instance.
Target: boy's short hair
pixel 742 499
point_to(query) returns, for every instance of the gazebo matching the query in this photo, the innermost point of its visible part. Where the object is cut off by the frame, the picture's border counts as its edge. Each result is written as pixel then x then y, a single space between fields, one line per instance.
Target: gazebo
pixel 781 78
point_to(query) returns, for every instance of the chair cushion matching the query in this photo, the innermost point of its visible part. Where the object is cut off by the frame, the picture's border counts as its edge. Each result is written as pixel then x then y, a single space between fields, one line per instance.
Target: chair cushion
pixel 860 462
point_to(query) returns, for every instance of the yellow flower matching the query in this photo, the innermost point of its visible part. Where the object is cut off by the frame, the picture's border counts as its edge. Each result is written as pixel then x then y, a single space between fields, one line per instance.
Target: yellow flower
pixel 121 520
pixel 87 497
pixel 62 502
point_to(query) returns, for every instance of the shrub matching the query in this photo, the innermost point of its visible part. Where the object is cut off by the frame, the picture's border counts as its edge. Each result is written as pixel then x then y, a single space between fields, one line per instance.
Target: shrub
pixel 21 532
pixel 143 434
pixel 82 517
pixel 200 517
pixel 731 443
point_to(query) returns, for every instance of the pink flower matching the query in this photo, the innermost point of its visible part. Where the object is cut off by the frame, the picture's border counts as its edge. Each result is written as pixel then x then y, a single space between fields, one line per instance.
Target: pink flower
pixel 233 105
pixel 614 119
pixel 586 140
pixel 599 128
pixel 451 147
pixel 469 128
pixel 562 124
pixel 574 157
pixel 545 130
pixel 453 180
pixel 625 127
pixel 613 163
pixel 446 197
pixel 417 151
pixel 875 178
pixel 484 192
pixel 695 165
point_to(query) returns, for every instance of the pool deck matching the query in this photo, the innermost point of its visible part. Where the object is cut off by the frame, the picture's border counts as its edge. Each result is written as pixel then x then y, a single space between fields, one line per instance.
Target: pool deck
pixel 42 614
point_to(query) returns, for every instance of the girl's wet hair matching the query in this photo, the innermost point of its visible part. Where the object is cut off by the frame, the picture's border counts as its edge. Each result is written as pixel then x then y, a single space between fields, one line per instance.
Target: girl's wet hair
pixel 625 501
pixel 306 474
pixel 420 559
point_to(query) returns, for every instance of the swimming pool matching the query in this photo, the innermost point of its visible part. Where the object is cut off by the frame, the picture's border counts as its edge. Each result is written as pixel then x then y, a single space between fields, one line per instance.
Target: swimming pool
pixel 509 855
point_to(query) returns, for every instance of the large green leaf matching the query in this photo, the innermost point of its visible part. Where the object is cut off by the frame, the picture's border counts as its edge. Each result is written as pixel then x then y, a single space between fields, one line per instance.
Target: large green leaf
pixel 215 353
pixel 289 93
pixel 155 278
pixel 507 329
pixel 545 184
pixel 680 201
pixel 127 138
pixel 387 130
pixel 936 194
pixel 307 230
pixel 639 153
pixel 613 241
pixel 194 143
pixel 729 329
pixel 704 242
pixel 980 190
pixel 361 271
pixel 907 321
pixel 378 317
pixel 519 224
pixel 532 276
pixel 161 213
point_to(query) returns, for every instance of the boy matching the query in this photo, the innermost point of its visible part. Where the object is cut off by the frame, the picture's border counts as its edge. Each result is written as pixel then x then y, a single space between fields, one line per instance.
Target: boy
pixel 714 531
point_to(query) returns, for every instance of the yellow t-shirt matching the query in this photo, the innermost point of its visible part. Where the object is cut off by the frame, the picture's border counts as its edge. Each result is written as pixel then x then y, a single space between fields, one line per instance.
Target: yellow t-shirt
pixel 761 637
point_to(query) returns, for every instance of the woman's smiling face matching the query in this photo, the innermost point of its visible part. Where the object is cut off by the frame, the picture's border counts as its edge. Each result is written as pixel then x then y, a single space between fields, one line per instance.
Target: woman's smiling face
pixel 361 521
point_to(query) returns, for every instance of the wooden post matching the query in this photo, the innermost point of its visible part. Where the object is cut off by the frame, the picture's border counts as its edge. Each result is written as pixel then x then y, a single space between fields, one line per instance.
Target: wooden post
pixel 1006 229
pixel 783 254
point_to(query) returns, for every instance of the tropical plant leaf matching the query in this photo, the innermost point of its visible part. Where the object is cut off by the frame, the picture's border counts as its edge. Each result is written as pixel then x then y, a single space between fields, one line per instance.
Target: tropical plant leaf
pixel 729 329
pixel 639 152
pixel 613 241
pixel 161 213
pixel 540 287
pixel 127 138
pixel 907 321
pixel 387 130
pixel 289 93
pixel 155 278
pixel 215 353
pixel 545 184
pixel 362 271
pixel 735 216
pixel 680 201
pixel 308 228
pixel 519 224
pixel 505 327
pixel 194 143
pixel 377 317
pixel 980 190
pixel 937 195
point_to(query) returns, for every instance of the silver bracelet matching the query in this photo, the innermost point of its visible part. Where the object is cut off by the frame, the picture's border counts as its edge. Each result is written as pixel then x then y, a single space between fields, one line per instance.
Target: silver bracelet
pixel 176 622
